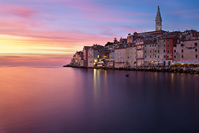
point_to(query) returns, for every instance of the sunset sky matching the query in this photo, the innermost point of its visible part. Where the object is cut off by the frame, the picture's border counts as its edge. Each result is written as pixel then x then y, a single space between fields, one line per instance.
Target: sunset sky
pixel 48 32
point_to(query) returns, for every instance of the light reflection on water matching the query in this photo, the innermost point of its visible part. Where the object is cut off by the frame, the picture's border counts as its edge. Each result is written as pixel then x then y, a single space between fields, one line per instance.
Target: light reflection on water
pixel 38 100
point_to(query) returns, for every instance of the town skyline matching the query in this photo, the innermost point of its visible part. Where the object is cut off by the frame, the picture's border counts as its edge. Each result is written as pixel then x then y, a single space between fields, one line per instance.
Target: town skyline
pixel 30 35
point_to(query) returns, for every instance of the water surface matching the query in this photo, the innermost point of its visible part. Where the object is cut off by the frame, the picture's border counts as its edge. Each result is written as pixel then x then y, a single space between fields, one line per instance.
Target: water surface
pixel 69 100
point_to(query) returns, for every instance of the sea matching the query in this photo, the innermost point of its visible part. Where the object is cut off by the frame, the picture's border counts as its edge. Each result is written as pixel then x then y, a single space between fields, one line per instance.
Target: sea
pixel 76 100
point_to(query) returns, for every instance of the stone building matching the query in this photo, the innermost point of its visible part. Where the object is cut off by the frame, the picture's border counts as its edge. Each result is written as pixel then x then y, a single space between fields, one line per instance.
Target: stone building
pixel 186 51
pixel 151 54
pixel 120 57
pixel 130 57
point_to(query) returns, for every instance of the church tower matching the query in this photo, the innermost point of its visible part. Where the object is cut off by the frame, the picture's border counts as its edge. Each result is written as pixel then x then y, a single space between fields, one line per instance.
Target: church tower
pixel 158 21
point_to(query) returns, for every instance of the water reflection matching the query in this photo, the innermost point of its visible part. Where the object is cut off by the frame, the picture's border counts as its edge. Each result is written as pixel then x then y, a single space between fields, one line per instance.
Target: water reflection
pixel 70 100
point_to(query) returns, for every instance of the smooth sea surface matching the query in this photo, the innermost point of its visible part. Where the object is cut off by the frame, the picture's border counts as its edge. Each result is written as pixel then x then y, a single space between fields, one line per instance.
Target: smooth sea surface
pixel 72 100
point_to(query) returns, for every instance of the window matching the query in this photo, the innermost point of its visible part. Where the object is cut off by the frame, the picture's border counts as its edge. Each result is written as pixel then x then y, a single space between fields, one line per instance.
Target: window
pixel 155 56
pixel 164 56
pixel 150 45
pixel 150 56
pixel 174 56
pixel 155 51
pixel 164 45
pixel 145 56
pixel 174 51
pixel 167 40
pixel 167 51
pixel 150 51
pixel 182 56
pixel 196 56
pixel 182 44
pixel 145 51
pixel 158 51
pixel 167 56
pixel 158 45
pixel 196 50
pixel 167 46
pixel 155 45
pixel 164 51
pixel 182 51
pixel 164 40
pixel 145 45
pixel 158 56
pixel 196 44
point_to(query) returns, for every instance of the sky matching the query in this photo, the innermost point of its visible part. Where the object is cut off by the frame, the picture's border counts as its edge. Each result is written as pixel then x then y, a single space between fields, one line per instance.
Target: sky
pixel 49 32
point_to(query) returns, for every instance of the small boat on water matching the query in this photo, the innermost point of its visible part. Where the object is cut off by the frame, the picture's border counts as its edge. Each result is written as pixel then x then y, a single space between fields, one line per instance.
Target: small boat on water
pixel 127 75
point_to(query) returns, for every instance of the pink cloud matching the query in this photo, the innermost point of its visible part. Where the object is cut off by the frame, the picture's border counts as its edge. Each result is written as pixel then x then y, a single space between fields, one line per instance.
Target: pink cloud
pixel 183 11
pixel 34 60
pixel 17 10
pixel 140 14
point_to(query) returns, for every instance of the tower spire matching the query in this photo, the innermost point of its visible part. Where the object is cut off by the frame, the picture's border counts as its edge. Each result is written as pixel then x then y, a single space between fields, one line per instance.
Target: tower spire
pixel 158 20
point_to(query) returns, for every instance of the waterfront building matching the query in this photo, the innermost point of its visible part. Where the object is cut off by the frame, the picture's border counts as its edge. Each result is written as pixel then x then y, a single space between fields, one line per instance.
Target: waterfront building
pixel 139 43
pixel 77 59
pixel 120 57
pixel 170 42
pixel 151 54
pixel 130 57
pixel 187 51
pixel 85 55
pixel 92 57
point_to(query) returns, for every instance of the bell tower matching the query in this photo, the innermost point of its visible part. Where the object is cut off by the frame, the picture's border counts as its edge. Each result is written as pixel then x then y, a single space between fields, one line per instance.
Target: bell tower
pixel 158 21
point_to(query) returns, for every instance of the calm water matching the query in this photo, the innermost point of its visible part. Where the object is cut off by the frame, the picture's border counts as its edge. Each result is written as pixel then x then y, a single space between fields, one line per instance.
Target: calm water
pixel 68 100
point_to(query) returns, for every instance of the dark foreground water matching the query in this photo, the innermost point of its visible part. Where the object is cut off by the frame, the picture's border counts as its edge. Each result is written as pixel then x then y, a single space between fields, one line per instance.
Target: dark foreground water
pixel 68 100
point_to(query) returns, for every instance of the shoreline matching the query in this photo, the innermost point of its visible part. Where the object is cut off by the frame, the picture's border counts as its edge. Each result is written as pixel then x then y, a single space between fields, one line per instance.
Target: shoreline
pixel 146 68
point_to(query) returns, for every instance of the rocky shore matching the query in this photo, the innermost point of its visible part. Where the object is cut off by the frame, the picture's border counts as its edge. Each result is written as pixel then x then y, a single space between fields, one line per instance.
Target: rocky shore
pixel 174 69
